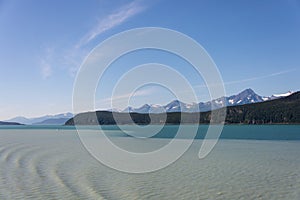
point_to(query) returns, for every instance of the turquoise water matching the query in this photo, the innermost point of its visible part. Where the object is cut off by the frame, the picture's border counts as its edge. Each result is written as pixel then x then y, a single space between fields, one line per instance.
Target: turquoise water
pixel 251 162
pixel 256 132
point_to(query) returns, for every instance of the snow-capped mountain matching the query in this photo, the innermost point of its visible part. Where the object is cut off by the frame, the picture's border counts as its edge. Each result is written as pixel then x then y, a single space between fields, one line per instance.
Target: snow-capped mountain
pixel 128 109
pixel 178 106
pixel 245 97
pixel 143 109
pixel 277 96
pixel 174 106
pixel 146 108
pixel 283 95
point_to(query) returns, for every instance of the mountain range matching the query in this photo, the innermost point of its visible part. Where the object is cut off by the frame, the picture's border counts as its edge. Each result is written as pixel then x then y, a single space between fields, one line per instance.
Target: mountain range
pixel 284 110
pixel 247 96
pixel 58 119
pixel 9 123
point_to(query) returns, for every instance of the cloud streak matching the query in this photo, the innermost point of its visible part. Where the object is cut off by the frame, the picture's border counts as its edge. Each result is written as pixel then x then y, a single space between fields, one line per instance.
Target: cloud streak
pixel 114 19
pixel 46 67
pixel 252 78
pixel 260 77
pixel 74 56
pixel 128 96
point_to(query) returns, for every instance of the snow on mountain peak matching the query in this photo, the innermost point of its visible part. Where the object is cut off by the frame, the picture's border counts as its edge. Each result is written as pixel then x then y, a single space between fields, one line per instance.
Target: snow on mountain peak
pixel 247 96
pixel 283 95
pixel 276 96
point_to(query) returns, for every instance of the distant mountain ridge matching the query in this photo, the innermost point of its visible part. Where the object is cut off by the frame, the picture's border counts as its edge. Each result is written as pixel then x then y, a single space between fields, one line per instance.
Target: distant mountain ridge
pixel 9 123
pixel 53 121
pixel 247 96
pixel 59 118
pixel 276 96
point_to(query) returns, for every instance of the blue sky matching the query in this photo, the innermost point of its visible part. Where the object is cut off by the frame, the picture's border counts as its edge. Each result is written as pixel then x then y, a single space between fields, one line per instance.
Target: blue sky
pixel 255 44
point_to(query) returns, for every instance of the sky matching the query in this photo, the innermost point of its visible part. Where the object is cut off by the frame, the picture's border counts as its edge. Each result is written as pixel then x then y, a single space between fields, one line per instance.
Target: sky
pixel 254 44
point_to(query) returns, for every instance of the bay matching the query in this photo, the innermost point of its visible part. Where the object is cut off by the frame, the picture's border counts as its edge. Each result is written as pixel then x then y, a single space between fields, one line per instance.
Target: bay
pixel 248 162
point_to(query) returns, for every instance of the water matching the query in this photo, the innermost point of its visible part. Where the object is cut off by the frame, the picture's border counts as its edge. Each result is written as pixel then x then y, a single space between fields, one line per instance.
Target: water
pixel 256 132
pixel 250 162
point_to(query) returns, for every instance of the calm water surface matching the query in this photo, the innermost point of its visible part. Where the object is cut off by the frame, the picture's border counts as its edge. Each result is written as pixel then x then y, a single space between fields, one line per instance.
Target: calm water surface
pixel 250 162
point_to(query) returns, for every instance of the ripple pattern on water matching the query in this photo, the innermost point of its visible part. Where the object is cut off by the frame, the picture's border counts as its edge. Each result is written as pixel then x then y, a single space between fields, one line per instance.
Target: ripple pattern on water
pixel 41 164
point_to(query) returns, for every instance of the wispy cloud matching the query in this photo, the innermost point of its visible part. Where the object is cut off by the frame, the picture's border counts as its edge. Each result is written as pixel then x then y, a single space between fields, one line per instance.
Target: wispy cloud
pixel 74 56
pixel 260 77
pixel 253 78
pixel 70 58
pixel 45 64
pixel 127 96
pixel 114 19
pixel 46 69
